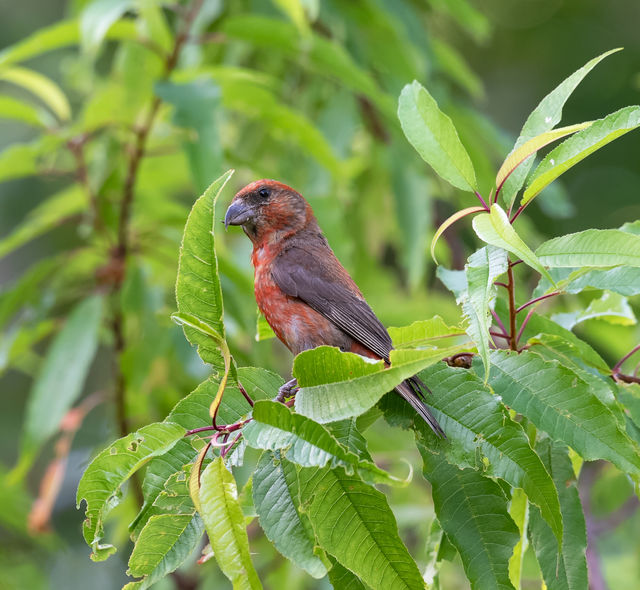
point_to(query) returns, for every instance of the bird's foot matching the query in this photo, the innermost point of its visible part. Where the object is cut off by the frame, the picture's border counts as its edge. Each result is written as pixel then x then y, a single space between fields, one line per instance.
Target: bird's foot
pixel 288 390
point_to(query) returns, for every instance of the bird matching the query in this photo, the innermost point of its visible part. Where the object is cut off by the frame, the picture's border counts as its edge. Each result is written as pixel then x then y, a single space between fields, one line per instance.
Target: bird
pixel 305 294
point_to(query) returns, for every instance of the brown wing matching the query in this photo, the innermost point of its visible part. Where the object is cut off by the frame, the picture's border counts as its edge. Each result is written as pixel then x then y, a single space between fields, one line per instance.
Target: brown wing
pixel 313 274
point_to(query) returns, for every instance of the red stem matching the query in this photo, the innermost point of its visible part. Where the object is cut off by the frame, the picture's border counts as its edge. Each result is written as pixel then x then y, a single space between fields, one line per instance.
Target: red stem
pixel 484 204
pixel 513 341
pixel 496 317
pixel 524 323
pixel 528 303
pixel 617 366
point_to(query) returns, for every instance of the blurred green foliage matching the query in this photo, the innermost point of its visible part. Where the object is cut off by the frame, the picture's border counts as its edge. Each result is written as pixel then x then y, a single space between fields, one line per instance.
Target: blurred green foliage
pixel 304 92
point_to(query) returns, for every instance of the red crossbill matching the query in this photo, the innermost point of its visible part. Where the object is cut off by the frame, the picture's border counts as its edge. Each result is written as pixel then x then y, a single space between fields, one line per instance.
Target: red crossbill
pixel 305 294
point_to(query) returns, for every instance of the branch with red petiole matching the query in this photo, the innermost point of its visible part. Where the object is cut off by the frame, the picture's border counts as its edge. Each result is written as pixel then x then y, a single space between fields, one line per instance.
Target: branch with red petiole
pixel 616 372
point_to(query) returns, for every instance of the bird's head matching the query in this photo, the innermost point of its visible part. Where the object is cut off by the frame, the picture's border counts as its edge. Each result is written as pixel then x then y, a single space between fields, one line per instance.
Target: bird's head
pixel 268 208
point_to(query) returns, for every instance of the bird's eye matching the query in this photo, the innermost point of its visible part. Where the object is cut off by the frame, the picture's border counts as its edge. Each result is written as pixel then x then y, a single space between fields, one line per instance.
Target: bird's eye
pixel 263 192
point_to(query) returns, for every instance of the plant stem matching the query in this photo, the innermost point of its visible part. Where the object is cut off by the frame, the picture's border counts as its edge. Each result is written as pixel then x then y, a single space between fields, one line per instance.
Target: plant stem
pixel 536 300
pixel 517 213
pixel 617 366
pixel 523 325
pixel 513 339
pixel 496 317
pixel 484 204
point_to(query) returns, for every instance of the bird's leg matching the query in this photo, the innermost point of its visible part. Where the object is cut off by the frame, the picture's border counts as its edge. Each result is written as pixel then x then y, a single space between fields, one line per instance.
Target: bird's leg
pixel 289 389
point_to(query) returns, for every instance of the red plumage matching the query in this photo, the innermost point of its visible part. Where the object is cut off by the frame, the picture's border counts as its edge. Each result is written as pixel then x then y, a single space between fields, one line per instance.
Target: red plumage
pixel 305 294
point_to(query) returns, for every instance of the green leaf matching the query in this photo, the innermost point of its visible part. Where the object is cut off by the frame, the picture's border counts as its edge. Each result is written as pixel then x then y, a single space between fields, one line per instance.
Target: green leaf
pixel 551 347
pixel 423 332
pixel 624 280
pixel 611 307
pixel 543 118
pixel 578 147
pixel 276 499
pixel 198 291
pixel 263 329
pixel 482 269
pixel 45 217
pixel 434 137
pixel 557 401
pixel 294 9
pixel 44 88
pixel 472 511
pixel 340 577
pixel 218 505
pixel 517 156
pixel 592 247
pixel 495 228
pixel 56 36
pixel 11 108
pixel 519 512
pixel 193 412
pixel 97 18
pixel 566 570
pixel 336 385
pixel 164 544
pixel 305 442
pixel 353 522
pixel 475 420
pixel 100 484
pixel 62 376
pixel 24 159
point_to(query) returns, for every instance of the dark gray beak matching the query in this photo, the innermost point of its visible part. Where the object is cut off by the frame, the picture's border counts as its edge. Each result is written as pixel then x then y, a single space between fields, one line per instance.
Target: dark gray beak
pixel 237 214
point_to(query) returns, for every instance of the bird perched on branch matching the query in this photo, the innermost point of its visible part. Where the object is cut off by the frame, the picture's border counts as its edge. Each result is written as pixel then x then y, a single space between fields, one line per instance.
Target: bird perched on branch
pixel 305 294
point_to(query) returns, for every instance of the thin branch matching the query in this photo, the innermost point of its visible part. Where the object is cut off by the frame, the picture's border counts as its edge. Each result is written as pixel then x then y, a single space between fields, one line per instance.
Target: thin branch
pixel 536 300
pixel 517 213
pixel 513 340
pixel 619 364
pixel 484 204
pixel 496 317
pixel 499 334
pixel 524 324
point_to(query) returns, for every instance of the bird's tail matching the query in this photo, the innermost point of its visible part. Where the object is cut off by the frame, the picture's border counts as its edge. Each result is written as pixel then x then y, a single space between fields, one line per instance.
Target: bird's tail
pixel 413 390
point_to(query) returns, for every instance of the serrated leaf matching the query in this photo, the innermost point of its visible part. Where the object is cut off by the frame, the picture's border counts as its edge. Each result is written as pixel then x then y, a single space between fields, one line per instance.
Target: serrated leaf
pixel 566 570
pixel 551 347
pixel 276 499
pixel 434 137
pixel 44 88
pixel 61 378
pixel 423 332
pixel 193 412
pixel 472 511
pixel 164 543
pixel 475 420
pixel 530 147
pixel 482 269
pixel 336 385
pixel 495 228
pixel 352 519
pixel 100 484
pixel 448 223
pixel 557 401
pixel 198 291
pixel 305 442
pixel 578 147
pixel 224 522
pixel 543 118
pixel 591 248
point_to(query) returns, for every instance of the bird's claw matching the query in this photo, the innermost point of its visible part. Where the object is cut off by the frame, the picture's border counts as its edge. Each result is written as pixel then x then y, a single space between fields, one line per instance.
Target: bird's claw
pixel 288 390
